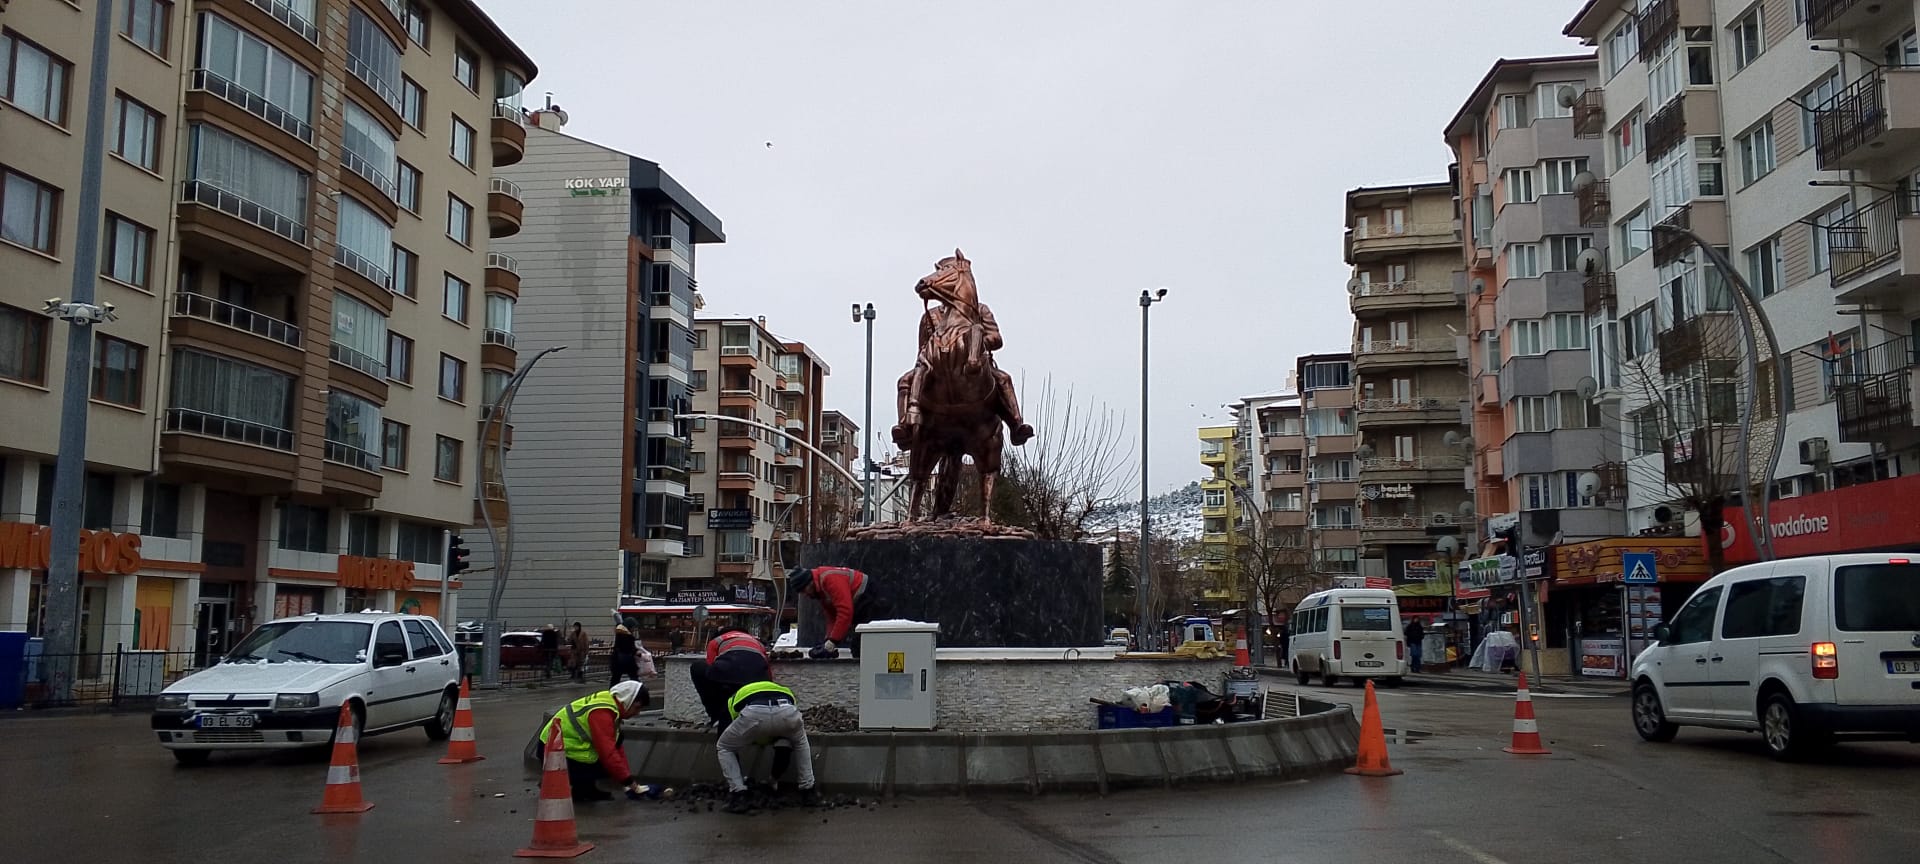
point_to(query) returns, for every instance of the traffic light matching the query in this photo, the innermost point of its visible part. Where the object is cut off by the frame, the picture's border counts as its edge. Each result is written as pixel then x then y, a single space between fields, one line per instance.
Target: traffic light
pixel 457 554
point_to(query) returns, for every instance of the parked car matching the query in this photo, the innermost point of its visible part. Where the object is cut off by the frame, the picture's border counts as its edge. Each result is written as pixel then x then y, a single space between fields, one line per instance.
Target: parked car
pixel 283 685
pixel 517 647
pixel 1802 651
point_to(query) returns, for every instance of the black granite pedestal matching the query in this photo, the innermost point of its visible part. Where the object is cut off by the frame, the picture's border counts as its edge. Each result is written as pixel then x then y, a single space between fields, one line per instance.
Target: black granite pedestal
pixel 984 592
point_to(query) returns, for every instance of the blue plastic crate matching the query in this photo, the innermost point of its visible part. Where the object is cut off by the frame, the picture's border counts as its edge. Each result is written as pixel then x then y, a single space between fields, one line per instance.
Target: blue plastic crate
pixel 1112 717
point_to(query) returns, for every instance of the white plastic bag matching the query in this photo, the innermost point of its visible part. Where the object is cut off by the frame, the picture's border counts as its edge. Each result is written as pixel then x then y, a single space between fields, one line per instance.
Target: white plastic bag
pixel 1151 700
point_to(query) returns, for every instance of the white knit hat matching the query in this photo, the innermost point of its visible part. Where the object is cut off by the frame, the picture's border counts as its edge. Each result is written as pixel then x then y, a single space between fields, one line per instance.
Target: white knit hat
pixel 627 693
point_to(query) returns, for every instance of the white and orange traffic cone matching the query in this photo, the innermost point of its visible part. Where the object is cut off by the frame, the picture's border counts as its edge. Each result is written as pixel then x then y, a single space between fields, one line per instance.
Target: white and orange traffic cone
pixel 554 832
pixel 343 774
pixel 460 745
pixel 1526 732
pixel 1241 659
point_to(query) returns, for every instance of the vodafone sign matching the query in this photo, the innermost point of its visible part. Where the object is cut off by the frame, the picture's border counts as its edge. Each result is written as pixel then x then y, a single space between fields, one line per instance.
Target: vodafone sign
pixel 1870 516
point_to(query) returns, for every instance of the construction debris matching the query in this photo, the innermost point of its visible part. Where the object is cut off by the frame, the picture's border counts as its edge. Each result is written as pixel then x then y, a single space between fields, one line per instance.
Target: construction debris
pixel 702 797
pixel 830 718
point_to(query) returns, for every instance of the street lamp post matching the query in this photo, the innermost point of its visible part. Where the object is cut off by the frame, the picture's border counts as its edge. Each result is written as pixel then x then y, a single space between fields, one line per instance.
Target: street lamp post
pixel 1144 581
pixel 866 426
pixel 70 464
pixel 496 419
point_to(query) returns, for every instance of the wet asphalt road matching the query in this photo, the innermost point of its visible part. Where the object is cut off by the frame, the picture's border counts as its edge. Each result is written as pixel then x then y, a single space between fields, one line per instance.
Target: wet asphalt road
pixel 96 788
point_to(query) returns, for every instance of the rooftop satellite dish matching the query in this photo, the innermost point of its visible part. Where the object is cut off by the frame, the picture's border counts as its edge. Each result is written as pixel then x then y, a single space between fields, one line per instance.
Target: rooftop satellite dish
pixel 1364 451
pixel 1452 438
pixel 1566 97
pixel 1354 285
pixel 1448 545
pixel 1583 180
pixel 1587 388
pixel 1589 484
pixel 1466 509
pixel 1479 286
pixel 1589 262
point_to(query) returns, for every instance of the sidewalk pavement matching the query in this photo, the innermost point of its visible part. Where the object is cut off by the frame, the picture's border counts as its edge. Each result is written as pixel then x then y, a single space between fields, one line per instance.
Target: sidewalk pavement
pixel 1470 679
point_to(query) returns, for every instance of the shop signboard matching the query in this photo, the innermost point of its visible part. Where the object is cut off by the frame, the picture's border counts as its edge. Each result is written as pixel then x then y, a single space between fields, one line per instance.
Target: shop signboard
pixel 754 594
pixel 1603 657
pixel 1422 570
pixel 696 598
pixel 1538 564
pixel 1880 515
pixel 1376 582
pixel 738 519
pixel 1479 574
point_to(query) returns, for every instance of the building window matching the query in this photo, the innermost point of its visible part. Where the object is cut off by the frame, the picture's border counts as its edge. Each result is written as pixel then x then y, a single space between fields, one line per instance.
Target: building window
pixel 418 543
pixel 697 380
pixel 462 146
pixel 1213 498
pixel 499 313
pixel 33 79
pixel 119 369
pixel 466 68
pixel 1560 174
pixel 1700 56
pixel 1763 263
pixel 235 176
pixel 1604 337
pixel 1622 47
pixel 29 211
pixel 453 301
pixel 1575 412
pixel 1569 331
pixel 406 273
pixel 1709 173
pixel 409 188
pixel 1525 341
pixel 453 378
pixel 1663 77
pixel 359 336
pixel 399 358
pixel 23 345
pixel 459 220
pixel 1821 239
pixel 129 252
pixel 363 535
pixel 1748 38
pixel 1671 183
pixel 1644 428
pixel 1546 100
pixel 393 444
pixel 1633 234
pixel 696 461
pixel 446 459
pixel 249 72
pixel 1513 111
pixel 1490 344
pixel 136 132
pixel 1626 140
pixel 1756 152
pixel 1523 260
pixel 493 385
pixel 1563 253
pixel 1636 332
pixel 364 243
pixel 145 22
pixel 413 104
pixel 223 398
pixel 303 528
pixel 160 509
pixel 373 58
pixel 1813 99
pixel 368 150
pixel 1520 186
pixel 353 430
pixel 418 20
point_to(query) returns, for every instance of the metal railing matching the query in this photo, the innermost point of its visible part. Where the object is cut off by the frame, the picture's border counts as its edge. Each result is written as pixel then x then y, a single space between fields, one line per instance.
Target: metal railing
pixel 1666 129
pixel 1427 463
pixel 208 195
pixel 503 261
pixel 1376 231
pixel 364 167
pixel 1599 291
pixel 492 336
pixel 1590 114
pixel 285 14
pixel 666 300
pixel 1411 403
pixel 192 422
pixel 351 456
pixel 367 269
pixel 120 677
pixel 505 187
pixel 1406 346
pixel 1658 23
pixel 1668 246
pixel 191 305
pixel 493 491
pixel 737 557
pixel 667 473
pixel 1595 203
pixel 387 91
pixel 1851 118
pixel 1391 523
pixel 1869 236
pixel 1822 13
pixel 503 111
pixel 736 350
pixel 207 81
pixel 1404 286
pixel 354 359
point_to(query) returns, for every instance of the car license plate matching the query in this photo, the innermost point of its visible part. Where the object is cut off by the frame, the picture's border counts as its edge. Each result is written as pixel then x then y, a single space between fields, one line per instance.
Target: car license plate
pixel 226 721
pixel 1903 667
pixel 1369 664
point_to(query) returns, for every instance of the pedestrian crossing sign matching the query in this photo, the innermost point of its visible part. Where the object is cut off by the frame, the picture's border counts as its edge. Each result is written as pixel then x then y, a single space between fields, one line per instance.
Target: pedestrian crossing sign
pixel 1639 568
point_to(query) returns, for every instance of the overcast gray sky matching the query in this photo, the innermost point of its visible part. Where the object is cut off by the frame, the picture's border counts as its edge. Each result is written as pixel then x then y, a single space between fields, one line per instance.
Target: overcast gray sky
pixel 1077 151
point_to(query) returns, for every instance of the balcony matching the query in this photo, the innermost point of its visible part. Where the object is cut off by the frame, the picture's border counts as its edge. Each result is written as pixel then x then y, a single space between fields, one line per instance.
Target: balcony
pixel 1595 204
pixel 1283 443
pixel 1696 455
pixel 1389 353
pixel 287 17
pixel 1841 19
pixel 738 481
pixel 1393 530
pixel 1708 336
pixel 508 131
pixel 1658 23
pixel 744 399
pixel 1873 391
pixel 1666 129
pixel 497 351
pixel 1599 291
pixel 1424 469
pixel 198 441
pixel 235 329
pixel 503 274
pixel 794 424
pixel 1405 294
pixel 1410 410
pixel 206 82
pixel 1375 241
pixel 1590 114
pixel 736 436
pixel 738 357
pixel 1668 246
pixel 236 223
pixel 1867 246
pixel 1873 123
pixel 504 208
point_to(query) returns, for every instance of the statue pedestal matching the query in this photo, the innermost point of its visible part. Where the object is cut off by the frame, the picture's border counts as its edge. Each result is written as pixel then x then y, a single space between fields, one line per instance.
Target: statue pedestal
pixel 985 592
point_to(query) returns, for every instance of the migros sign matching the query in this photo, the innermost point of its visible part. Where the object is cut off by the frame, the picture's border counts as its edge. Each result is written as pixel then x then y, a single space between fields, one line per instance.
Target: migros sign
pixel 102 553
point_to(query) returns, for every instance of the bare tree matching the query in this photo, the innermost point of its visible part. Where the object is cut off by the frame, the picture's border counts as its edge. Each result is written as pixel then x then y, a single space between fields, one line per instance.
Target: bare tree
pixel 1272 564
pixel 1079 459
pixel 836 509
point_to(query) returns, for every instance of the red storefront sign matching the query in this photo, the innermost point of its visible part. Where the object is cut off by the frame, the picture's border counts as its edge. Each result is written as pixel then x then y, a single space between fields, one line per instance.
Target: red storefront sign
pixel 1875 515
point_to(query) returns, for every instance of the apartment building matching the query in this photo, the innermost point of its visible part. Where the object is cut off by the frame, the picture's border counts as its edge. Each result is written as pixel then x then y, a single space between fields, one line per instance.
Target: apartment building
pixel 1332 491
pixel 298 201
pixel 1409 379
pixel 752 492
pixel 839 505
pixel 598 469
pixel 1525 138
pixel 1223 515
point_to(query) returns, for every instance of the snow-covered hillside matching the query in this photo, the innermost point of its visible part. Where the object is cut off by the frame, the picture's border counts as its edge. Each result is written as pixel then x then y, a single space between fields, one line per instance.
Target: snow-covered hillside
pixel 1175 514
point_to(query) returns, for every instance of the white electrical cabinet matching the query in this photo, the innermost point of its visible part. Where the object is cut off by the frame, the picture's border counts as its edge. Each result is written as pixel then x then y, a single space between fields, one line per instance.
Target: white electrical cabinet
pixel 897 674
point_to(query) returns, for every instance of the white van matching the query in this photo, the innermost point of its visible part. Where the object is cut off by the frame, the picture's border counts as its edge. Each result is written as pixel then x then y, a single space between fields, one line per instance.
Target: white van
pixel 1348 632
pixel 1800 650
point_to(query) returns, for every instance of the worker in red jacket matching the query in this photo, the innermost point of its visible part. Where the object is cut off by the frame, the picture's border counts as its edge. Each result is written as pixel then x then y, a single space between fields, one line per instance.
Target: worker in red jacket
pixel 734 659
pixel 839 589
pixel 589 729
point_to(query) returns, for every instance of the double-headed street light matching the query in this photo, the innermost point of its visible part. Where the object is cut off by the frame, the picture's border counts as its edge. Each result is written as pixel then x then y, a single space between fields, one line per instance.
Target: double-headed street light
pixel 866 427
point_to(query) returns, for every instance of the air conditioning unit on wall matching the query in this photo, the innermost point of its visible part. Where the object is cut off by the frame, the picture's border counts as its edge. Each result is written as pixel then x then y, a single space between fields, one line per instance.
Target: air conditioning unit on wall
pixel 1813 451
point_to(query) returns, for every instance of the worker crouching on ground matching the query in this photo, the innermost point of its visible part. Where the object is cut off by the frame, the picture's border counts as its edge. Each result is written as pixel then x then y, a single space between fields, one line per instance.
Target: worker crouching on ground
pixel 590 735
pixel 761 712
pixel 734 659
pixel 839 590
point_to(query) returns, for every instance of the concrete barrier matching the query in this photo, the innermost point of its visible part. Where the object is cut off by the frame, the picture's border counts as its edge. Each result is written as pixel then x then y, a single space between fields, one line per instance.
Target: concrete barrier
pixel 948 763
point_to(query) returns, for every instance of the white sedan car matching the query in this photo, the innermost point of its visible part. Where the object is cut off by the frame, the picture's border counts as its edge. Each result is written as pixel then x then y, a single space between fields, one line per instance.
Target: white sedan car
pixel 282 686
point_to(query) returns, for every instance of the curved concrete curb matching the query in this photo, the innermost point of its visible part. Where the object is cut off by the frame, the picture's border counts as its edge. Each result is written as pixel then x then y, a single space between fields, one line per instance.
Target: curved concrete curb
pixel 957 763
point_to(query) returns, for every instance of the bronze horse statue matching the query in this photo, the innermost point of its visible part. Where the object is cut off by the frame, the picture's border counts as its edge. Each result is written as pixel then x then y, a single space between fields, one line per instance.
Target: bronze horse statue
pixel 954 400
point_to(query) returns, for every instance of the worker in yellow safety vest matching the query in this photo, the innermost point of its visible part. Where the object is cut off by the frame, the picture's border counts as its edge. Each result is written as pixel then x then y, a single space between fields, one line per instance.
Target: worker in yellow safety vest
pixel 762 712
pixel 590 735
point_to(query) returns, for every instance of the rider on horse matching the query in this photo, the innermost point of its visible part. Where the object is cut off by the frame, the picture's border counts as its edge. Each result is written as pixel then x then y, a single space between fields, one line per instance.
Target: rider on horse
pixel 960 323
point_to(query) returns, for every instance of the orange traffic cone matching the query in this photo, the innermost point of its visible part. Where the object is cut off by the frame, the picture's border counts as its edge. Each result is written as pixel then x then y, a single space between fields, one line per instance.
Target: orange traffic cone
pixel 1241 660
pixel 343 775
pixel 1526 733
pixel 1372 761
pixel 460 746
pixel 554 834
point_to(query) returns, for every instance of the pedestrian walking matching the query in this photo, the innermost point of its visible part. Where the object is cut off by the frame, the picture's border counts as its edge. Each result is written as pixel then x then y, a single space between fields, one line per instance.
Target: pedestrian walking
pixel 579 645
pixel 1416 634
pixel 626 651
pixel 549 650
